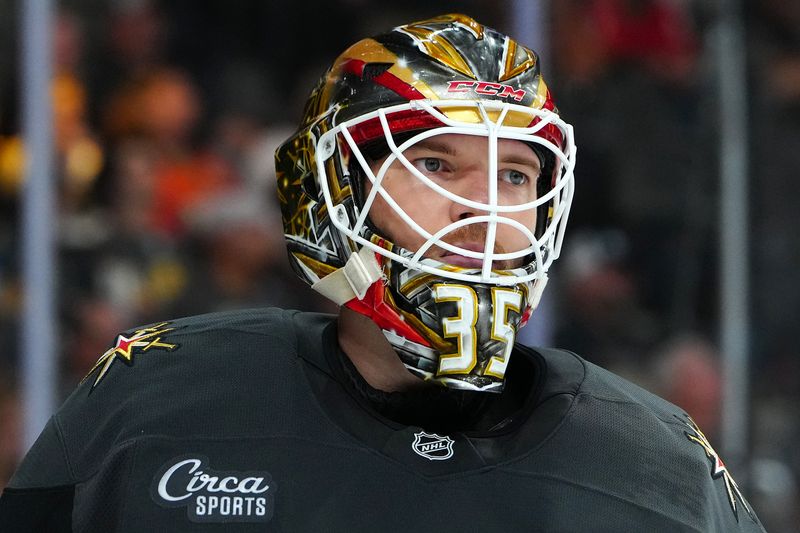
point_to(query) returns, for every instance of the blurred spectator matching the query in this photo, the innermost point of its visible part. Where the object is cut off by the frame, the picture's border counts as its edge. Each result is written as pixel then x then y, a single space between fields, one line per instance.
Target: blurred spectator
pixel 139 271
pixel 687 373
pixel 775 123
pixel 137 31
pixel 130 41
pixel 79 156
pixel 627 73
pixel 602 316
pixel 10 427
pixel 655 34
pixel 241 259
pixel 10 306
pixel 245 134
pixel 163 107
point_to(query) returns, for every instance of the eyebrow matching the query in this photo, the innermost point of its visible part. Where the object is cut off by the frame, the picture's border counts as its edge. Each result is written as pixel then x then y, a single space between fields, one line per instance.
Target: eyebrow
pixel 435 146
pixel 522 160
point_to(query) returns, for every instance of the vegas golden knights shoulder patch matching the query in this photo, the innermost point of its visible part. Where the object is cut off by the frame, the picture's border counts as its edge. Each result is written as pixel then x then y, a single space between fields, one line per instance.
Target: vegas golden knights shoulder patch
pixel 125 348
pixel 718 468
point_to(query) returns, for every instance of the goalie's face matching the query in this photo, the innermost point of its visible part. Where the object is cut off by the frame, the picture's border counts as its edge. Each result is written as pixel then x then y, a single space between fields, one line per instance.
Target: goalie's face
pixel 461 165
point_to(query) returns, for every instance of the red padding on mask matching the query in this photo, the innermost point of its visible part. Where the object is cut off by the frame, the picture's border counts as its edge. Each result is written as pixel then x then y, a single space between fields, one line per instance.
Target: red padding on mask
pixel 374 307
pixel 551 131
pixel 402 121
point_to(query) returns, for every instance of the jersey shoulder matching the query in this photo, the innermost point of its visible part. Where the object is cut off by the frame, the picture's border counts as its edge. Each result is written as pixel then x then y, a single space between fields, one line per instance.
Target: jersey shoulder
pixel 641 440
pixel 189 341
pixel 569 373
pixel 199 375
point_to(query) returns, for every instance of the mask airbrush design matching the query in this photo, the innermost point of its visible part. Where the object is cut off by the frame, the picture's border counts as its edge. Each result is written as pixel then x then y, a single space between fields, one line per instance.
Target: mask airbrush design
pixel 450 308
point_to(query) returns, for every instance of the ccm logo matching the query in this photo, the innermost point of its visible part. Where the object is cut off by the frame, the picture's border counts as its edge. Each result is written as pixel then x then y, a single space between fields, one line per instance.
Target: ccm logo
pixel 487 88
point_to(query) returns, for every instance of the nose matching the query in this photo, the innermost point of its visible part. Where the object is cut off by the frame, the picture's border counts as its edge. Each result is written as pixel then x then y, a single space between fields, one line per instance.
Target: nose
pixel 472 185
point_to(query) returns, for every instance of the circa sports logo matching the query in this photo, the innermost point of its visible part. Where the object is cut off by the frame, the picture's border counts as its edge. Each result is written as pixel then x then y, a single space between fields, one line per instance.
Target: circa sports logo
pixel 211 495
pixel 432 446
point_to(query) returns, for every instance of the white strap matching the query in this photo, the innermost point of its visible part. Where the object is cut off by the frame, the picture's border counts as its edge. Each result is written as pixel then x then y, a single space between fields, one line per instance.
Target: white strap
pixel 352 280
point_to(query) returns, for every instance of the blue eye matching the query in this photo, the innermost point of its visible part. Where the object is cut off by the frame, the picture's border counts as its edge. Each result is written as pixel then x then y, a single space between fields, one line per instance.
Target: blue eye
pixel 432 164
pixel 514 177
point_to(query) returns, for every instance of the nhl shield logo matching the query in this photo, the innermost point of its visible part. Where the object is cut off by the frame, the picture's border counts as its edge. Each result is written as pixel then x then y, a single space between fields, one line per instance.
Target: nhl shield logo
pixel 432 446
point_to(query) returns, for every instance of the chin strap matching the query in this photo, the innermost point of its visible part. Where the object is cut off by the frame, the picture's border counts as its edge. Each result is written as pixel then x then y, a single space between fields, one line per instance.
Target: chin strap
pixel 352 280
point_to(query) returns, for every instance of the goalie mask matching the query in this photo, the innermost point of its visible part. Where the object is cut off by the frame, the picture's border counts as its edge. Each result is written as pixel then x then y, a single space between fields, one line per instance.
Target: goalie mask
pixel 428 188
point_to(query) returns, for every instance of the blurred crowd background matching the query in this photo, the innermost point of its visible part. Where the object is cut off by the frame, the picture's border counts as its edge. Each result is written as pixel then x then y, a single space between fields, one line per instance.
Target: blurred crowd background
pixel 167 115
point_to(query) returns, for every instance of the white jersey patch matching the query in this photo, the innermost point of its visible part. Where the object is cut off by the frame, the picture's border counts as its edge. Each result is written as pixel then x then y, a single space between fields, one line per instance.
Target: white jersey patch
pixel 432 446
